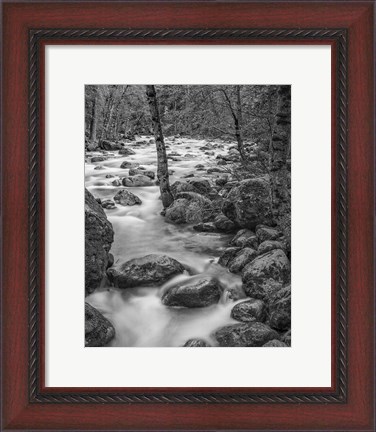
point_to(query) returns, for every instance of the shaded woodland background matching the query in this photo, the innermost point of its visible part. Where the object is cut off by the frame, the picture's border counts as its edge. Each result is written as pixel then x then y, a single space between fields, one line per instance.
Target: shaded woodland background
pixel 250 115
pixel 116 111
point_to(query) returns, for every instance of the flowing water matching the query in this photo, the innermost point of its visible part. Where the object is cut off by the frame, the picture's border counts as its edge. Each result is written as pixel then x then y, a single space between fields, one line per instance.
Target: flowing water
pixel 138 315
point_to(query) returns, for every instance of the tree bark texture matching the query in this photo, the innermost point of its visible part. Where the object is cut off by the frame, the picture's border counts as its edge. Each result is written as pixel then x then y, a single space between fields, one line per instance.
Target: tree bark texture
pixel 239 124
pixel 162 169
pixel 237 117
pixel 93 124
pixel 281 142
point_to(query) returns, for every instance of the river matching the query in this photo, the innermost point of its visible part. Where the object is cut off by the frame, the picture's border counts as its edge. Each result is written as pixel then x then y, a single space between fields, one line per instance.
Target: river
pixel 138 315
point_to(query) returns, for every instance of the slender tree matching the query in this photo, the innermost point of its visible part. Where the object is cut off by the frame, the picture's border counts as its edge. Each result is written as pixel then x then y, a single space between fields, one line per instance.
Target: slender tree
pixel 237 116
pixel 108 110
pixel 281 142
pixel 94 115
pixel 113 122
pixel 162 169
pixel 239 123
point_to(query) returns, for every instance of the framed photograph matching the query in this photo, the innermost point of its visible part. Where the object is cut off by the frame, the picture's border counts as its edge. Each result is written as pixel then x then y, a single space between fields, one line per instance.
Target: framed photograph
pixel 179 176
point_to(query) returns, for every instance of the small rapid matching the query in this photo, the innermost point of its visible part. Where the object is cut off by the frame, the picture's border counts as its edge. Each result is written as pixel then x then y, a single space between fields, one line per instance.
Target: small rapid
pixel 138 315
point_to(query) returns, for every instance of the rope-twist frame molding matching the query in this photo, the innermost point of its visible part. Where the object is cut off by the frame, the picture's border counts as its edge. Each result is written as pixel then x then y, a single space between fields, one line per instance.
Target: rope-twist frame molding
pixel 339 36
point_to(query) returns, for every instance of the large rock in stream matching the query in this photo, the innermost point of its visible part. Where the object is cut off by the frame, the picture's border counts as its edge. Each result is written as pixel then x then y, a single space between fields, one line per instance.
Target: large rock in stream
pixel 199 185
pixel 241 259
pixel 228 255
pixel 254 334
pixel 268 245
pixel 248 203
pixel 196 343
pixel 98 329
pixel 138 180
pixel 98 159
pixel 189 207
pixel 266 274
pixel 151 269
pixel 265 233
pixel 99 236
pixel 129 165
pixel 280 309
pixel 110 145
pixel 144 172
pixel 245 238
pixel 224 224
pixel 126 198
pixel 249 311
pixel 197 291
pixel 181 186
pixel 126 151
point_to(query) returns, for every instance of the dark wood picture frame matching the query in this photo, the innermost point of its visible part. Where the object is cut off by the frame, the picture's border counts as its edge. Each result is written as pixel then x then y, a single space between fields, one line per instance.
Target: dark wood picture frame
pixel 27 402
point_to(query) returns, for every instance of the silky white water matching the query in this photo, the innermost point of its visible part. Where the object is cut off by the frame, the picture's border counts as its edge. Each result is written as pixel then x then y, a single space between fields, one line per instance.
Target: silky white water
pixel 138 315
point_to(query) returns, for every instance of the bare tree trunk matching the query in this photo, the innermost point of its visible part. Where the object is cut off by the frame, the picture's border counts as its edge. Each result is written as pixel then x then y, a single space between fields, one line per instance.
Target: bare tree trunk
pixel 270 119
pixel 187 121
pixel 116 124
pixel 270 165
pixel 175 125
pixel 93 124
pixel 162 170
pixel 239 124
pixel 109 120
pixel 237 120
pixel 281 148
pixel 113 122
pixel 106 112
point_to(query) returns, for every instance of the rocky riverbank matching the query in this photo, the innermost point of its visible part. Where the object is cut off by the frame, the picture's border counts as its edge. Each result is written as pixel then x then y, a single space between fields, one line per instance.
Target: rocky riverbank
pixel 212 270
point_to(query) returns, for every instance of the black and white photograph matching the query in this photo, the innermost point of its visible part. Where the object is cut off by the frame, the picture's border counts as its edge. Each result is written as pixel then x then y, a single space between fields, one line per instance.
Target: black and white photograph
pixel 187 216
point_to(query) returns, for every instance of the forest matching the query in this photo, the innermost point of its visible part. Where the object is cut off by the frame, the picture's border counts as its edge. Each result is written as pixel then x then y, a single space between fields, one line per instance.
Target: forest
pixel 187 215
